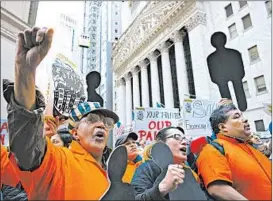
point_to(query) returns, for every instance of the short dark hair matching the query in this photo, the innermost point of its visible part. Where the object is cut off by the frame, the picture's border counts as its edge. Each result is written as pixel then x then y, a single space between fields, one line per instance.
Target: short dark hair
pixel 219 115
pixel 66 138
pixel 161 135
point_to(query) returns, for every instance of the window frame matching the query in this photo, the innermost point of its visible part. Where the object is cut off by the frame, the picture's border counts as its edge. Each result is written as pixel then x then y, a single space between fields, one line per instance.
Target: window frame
pixel 230 33
pixel 251 56
pixel 244 17
pixel 229 5
pixel 257 85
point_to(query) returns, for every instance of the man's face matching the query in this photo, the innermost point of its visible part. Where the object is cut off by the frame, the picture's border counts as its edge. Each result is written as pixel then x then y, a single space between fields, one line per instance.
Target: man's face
pixel 92 136
pixel 176 140
pixel 236 125
pixel 131 147
pixel 57 141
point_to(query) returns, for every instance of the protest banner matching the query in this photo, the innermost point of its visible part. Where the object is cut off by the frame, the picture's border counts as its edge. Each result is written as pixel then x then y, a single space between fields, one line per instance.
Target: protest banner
pixel 4 133
pixel 196 114
pixel 148 121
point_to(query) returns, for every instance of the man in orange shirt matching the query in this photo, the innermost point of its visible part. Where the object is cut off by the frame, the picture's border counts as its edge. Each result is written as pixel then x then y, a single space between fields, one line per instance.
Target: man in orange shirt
pixel 134 160
pixel 242 173
pixel 50 172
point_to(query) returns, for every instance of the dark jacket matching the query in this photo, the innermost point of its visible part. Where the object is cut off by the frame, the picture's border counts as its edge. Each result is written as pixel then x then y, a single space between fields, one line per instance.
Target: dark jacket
pixel 11 193
pixel 146 181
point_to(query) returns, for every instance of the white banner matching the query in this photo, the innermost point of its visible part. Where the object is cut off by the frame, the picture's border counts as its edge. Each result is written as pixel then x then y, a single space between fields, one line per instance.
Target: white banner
pixel 4 133
pixel 148 121
pixel 196 114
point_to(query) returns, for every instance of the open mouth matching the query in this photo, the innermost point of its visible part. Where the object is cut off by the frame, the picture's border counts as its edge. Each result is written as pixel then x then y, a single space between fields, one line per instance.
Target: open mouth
pixel 183 150
pixel 99 135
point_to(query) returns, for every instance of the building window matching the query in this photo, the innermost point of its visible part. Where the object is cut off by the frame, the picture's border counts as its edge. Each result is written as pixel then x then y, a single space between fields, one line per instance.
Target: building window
pixel 116 38
pixel 253 53
pixel 246 89
pixel 116 31
pixel 232 30
pixel 259 124
pixel 229 10
pixel 260 84
pixel 116 23
pixel 247 21
pixel 116 13
pixel 242 3
pixel 268 5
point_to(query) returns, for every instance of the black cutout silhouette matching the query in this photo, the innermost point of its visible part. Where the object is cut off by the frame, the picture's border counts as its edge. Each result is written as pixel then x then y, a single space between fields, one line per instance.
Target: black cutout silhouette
pixel 117 164
pixel 227 65
pixel 190 189
pixel 93 81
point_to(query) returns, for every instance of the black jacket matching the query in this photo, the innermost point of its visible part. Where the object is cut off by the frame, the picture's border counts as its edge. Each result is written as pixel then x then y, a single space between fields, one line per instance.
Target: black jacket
pixel 11 193
pixel 146 181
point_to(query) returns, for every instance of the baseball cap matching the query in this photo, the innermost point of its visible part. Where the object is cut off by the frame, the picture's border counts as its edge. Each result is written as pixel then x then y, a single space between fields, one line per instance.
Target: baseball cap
pixel 85 108
pixel 123 138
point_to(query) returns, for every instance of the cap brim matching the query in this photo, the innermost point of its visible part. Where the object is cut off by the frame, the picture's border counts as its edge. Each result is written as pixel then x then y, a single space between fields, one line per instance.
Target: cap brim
pixel 106 113
pixel 132 135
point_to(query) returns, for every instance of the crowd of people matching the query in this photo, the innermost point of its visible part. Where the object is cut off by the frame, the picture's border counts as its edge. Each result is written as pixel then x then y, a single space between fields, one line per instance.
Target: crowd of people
pixel 53 159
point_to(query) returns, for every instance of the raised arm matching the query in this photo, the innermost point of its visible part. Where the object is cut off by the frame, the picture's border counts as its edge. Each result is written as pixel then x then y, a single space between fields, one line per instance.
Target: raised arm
pixel 25 103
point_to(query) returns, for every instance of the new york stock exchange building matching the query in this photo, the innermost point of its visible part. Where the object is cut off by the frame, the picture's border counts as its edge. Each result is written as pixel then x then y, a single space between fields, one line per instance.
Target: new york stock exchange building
pixel 162 56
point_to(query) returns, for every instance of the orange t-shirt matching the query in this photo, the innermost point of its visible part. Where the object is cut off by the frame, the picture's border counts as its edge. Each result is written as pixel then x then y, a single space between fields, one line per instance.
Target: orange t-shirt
pixel 247 169
pixel 8 170
pixel 130 171
pixel 66 174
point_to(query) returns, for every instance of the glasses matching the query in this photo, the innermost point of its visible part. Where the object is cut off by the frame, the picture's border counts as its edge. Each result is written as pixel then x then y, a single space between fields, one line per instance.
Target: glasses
pixel 177 137
pixel 93 118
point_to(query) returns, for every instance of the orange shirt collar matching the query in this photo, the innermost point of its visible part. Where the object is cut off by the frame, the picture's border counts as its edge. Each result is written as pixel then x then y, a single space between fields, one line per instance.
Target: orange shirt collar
pixel 230 139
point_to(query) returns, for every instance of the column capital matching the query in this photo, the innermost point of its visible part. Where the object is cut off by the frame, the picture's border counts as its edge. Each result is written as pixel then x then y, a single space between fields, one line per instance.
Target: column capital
pixel 143 65
pixel 152 56
pixel 128 76
pixel 194 21
pixel 164 47
pixel 178 36
pixel 135 71
pixel 120 82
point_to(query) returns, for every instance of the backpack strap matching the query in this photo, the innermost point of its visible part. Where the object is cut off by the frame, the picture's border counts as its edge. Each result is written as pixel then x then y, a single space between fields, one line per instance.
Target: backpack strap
pixel 218 146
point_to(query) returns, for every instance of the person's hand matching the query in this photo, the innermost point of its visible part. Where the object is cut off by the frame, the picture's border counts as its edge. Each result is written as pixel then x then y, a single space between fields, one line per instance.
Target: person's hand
pixel 32 46
pixel 174 176
pixel 50 126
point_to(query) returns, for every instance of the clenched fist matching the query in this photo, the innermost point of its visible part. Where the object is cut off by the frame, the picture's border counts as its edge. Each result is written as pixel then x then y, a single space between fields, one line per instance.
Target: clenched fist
pixel 32 47
pixel 174 176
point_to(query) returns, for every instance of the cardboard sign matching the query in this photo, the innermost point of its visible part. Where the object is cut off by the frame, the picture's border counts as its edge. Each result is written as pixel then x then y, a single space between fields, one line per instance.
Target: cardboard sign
pixel 148 121
pixel 196 114
pixel 4 133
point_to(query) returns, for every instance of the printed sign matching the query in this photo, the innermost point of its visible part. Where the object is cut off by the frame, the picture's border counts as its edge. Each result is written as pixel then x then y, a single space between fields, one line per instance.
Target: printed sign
pixel 148 121
pixel 196 114
pixel 4 133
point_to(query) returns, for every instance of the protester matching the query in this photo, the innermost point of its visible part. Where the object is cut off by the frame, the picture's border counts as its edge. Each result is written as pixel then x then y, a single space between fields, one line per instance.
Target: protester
pixel 145 182
pixel 242 172
pixel 74 173
pixel 134 160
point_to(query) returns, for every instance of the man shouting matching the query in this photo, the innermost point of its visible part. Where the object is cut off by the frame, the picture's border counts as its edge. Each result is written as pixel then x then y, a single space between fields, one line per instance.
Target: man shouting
pixel 49 172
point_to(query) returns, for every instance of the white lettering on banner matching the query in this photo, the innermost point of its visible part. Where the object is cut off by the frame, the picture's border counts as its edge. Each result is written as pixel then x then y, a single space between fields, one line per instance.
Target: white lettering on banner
pixel 196 116
pixel 149 121
pixel 4 132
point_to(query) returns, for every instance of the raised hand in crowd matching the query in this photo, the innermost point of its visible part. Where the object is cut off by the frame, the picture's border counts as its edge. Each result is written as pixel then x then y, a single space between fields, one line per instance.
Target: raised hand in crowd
pixel 32 46
pixel 174 176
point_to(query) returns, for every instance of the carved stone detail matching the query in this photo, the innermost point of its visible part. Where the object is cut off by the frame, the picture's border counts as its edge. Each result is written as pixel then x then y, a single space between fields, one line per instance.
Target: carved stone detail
pixel 195 20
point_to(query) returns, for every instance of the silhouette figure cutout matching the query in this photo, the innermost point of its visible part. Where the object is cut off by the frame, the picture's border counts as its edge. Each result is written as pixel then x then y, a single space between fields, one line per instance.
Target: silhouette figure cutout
pixel 93 82
pixel 116 168
pixel 190 189
pixel 227 65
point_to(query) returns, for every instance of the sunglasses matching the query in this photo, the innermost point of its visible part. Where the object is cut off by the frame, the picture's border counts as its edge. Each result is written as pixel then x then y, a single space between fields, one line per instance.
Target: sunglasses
pixel 93 118
pixel 177 137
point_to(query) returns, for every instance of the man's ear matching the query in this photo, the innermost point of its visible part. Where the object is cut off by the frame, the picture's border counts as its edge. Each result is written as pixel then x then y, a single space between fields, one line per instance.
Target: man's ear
pixel 222 127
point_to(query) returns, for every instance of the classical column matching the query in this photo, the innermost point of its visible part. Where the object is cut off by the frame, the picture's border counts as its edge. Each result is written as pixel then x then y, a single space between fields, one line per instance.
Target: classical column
pixel 181 69
pixel 144 84
pixel 128 100
pixel 136 95
pixel 121 101
pixel 154 78
pixel 167 76
pixel 196 27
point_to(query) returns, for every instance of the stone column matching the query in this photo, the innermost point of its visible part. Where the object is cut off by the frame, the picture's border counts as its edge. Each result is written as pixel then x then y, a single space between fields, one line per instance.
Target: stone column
pixel 167 76
pixel 196 27
pixel 154 78
pixel 144 84
pixel 136 94
pixel 121 101
pixel 128 100
pixel 181 69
